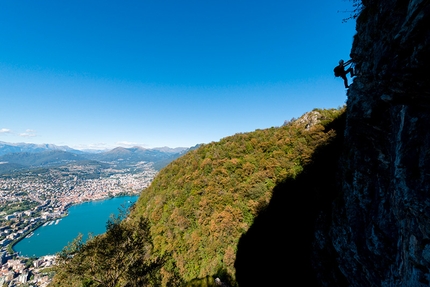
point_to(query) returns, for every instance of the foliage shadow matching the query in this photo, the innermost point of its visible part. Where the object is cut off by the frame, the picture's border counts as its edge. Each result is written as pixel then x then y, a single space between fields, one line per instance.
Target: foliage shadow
pixel 277 250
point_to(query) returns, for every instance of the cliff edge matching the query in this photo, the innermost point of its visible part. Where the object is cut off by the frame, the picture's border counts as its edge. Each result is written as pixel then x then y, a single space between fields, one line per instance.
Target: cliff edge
pixel 379 227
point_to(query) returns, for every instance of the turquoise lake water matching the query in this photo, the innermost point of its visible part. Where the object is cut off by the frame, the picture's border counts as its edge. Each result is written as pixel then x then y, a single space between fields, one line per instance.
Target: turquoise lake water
pixel 89 217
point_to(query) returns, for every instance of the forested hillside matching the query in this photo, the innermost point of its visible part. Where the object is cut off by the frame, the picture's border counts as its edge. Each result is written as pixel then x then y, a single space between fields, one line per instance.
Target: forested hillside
pixel 198 207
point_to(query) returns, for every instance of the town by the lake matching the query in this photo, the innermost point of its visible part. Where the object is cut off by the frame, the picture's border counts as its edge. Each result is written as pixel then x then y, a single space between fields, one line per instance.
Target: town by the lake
pixel 29 200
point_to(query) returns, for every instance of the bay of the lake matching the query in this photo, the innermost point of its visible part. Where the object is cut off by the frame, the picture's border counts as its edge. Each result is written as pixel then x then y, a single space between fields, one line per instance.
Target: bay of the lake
pixel 89 217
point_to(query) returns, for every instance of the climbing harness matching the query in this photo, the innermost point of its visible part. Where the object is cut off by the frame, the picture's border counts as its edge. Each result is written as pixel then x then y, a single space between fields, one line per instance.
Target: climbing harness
pixel 351 64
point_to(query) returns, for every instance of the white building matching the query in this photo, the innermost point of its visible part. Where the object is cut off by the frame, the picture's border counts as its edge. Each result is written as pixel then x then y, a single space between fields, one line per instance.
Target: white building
pixel 23 278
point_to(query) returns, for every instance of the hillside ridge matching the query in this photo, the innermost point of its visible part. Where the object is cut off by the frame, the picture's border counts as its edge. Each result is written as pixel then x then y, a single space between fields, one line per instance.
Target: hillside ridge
pixel 199 205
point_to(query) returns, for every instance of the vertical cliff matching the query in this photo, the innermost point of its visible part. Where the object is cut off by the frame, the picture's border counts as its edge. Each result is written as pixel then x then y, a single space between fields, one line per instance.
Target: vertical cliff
pixel 380 224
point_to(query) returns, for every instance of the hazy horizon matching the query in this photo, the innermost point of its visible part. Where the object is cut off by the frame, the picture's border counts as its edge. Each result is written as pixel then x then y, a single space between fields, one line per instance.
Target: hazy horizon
pixel 89 149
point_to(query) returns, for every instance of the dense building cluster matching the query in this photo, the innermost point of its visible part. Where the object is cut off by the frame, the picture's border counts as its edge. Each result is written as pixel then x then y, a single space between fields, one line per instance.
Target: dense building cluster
pixel 21 271
pixel 32 199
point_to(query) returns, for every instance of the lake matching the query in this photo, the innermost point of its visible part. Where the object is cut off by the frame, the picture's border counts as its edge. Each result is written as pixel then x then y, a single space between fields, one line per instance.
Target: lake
pixel 85 218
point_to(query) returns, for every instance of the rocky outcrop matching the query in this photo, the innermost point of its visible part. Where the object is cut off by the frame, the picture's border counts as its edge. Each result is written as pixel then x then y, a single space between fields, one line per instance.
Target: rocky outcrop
pixel 379 229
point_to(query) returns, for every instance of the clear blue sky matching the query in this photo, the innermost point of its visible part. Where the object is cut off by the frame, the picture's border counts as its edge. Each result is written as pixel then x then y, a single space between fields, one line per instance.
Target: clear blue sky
pixel 101 74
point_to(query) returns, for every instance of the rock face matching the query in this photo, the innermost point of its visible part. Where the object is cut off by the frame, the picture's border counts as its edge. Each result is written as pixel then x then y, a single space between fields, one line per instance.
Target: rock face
pixel 379 230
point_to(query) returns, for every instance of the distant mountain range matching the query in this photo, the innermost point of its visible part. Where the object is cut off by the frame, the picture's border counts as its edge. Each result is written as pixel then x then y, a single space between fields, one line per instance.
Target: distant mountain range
pixel 6 148
pixel 19 156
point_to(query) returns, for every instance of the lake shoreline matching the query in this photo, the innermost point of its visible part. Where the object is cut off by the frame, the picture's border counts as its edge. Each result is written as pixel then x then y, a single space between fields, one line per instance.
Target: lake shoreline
pixel 12 245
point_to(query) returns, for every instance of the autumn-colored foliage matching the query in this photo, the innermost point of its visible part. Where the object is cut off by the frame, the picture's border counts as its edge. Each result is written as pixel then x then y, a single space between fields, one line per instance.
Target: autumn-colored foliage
pixel 187 224
pixel 199 205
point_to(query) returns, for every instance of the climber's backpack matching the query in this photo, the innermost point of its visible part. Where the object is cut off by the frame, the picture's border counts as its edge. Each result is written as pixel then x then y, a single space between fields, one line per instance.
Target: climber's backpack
pixel 337 71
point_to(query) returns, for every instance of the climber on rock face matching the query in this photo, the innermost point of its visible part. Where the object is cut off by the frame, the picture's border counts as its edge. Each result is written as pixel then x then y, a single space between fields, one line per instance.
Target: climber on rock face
pixel 339 71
